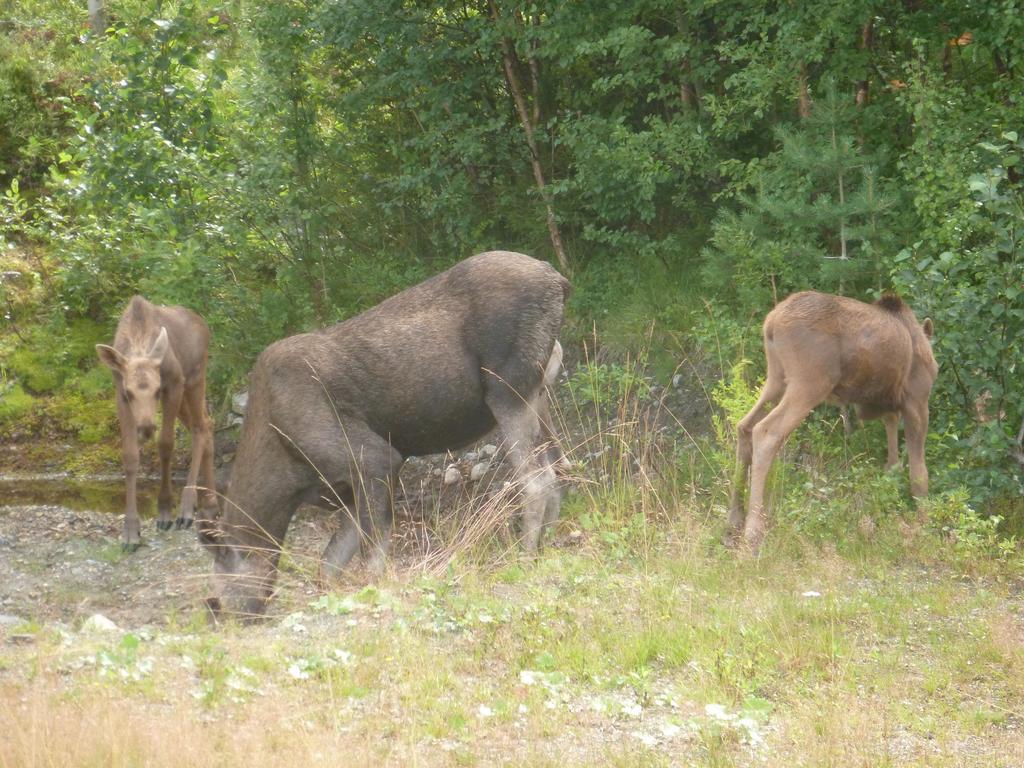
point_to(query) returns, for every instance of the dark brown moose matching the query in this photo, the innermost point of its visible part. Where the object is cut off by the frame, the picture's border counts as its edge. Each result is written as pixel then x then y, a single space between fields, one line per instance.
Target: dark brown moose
pixel 159 354
pixel 333 414
pixel 821 347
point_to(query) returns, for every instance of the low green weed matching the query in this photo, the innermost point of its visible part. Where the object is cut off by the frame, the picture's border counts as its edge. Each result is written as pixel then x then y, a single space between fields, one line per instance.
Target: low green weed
pixel 973 536
pixel 605 385
pixel 15 404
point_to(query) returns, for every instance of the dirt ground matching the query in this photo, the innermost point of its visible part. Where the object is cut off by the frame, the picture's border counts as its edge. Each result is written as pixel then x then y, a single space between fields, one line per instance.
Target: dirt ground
pixel 60 553
pixel 61 557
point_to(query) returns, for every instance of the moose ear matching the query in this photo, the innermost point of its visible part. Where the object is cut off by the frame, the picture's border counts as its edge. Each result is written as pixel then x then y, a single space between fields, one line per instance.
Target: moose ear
pixel 159 348
pixel 110 357
pixel 927 327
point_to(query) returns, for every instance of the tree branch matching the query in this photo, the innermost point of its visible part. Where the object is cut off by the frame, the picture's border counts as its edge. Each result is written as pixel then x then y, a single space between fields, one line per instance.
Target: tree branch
pixel 510 62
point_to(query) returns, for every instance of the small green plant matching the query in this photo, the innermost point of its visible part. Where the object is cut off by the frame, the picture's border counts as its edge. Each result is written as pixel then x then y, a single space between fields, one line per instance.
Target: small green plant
pixel 622 534
pixel 606 385
pixel 93 420
pixel 972 536
pixel 734 395
pixel 15 403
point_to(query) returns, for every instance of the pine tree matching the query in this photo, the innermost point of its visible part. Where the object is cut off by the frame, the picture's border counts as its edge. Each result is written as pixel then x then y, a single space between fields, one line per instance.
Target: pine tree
pixel 822 192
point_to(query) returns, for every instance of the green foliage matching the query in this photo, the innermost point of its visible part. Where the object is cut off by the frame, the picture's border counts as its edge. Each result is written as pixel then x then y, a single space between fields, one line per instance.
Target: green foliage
pixel 281 166
pixel 91 419
pixel 971 535
pixel 36 369
pixel 819 215
pixel 608 385
pixel 55 353
pixel 614 524
pixel 15 404
pixel 30 121
pixel 734 396
pixel 829 503
pixel 977 293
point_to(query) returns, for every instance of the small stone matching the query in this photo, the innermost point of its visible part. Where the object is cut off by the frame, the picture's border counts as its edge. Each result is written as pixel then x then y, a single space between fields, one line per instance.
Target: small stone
pixel 240 402
pixel 10 620
pixel 677 381
pixel 472 456
pixel 488 450
pixel 99 623
pixel 479 470
pixel 452 476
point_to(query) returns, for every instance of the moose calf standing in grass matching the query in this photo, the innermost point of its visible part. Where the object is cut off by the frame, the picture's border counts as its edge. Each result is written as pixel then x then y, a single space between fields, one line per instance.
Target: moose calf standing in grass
pixel 821 347
pixel 333 414
pixel 159 354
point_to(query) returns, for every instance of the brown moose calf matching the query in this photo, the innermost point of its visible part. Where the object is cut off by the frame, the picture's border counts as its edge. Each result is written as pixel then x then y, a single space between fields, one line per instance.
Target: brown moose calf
pixel 821 347
pixel 159 354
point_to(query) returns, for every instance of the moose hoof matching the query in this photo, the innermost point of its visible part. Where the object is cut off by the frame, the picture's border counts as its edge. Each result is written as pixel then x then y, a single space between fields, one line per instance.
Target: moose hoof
pixel 749 549
pixel 183 522
pixel 732 539
pixel 164 525
pixel 130 547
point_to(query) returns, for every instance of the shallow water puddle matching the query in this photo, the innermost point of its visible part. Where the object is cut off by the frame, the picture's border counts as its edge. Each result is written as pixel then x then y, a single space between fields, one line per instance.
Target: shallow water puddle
pixel 94 494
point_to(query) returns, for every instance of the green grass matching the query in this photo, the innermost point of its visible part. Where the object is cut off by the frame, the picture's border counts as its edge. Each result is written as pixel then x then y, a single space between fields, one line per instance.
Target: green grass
pixel 634 661
pixel 637 640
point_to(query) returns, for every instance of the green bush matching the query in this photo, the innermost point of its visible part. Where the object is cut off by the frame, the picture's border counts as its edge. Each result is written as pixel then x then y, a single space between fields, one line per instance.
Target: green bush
pixel 607 385
pixel 91 419
pixel 55 353
pixel 972 535
pixel 15 404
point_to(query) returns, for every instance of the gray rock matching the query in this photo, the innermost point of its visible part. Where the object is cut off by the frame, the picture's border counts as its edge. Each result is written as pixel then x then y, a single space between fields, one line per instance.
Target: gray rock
pixel 677 381
pixel 240 402
pixel 479 470
pixel 235 420
pixel 452 476
pixel 99 623
pixel 472 456
pixel 489 450
pixel 10 620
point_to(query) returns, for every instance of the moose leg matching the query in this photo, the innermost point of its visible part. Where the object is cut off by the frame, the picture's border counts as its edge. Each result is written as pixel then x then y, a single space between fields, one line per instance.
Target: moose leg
pixel 132 538
pixel 915 426
pixel 552 457
pixel 521 425
pixel 376 515
pixel 352 455
pixel 193 415
pixel 773 390
pixel 342 547
pixel 370 524
pixel 165 445
pixel 846 418
pixel 767 437
pixel 892 439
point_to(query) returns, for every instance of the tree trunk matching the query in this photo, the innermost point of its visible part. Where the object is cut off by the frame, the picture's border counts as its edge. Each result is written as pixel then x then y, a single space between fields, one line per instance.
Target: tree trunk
pixel 97 22
pixel 867 35
pixel 803 96
pixel 510 61
pixel 687 87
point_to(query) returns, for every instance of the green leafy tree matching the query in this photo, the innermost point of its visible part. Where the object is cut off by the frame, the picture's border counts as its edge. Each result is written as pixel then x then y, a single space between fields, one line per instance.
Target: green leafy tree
pixel 978 292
